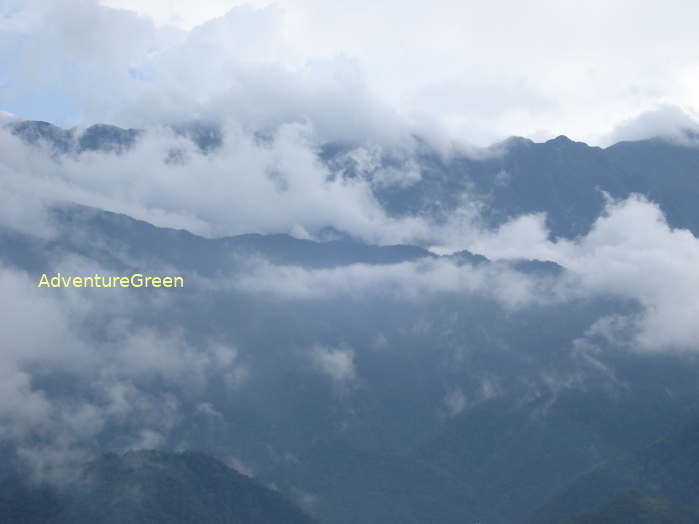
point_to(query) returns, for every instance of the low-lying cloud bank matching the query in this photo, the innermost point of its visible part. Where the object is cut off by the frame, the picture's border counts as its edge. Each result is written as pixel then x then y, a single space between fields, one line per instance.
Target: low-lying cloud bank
pixel 412 281
pixel 279 185
pixel 248 185
pixel 73 365
pixel 631 254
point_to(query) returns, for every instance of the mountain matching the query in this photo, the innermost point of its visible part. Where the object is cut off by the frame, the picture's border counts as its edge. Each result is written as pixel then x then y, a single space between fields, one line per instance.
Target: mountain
pixel 371 384
pixel 638 509
pixel 98 137
pixel 563 178
pixel 524 450
pixel 664 470
pixel 136 239
pixel 105 137
pixel 456 408
pixel 148 486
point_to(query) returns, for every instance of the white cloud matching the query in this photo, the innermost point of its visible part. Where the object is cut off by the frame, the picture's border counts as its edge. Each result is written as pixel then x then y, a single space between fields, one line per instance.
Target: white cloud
pixel 469 72
pixel 336 363
pixel 630 252
pixel 246 186
pixel 414 281
pixel 51 333
pixel 669 122
pixel 185 15
pixel 282 80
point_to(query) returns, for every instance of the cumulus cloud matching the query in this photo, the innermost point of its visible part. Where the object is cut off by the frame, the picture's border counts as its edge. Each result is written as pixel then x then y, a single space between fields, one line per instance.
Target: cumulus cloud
pixel 630 252
pixel 301 59
pixel 267 177
pixel 228 69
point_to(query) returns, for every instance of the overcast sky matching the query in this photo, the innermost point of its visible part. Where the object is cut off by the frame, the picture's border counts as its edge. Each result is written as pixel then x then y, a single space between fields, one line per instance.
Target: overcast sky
pixel 453 70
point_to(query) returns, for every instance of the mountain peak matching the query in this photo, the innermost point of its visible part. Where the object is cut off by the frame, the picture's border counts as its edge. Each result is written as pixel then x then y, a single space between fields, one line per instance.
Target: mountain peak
pixel 560 139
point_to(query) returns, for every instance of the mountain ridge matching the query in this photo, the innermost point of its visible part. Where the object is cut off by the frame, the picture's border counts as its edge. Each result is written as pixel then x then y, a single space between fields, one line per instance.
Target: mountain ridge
pixel 148 486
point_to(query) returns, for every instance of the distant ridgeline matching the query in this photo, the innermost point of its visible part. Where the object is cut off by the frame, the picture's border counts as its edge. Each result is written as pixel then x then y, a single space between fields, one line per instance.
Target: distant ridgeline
pixel 563 178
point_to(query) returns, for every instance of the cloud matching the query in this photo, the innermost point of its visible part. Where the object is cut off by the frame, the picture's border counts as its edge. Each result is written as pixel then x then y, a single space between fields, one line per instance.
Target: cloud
pixel 77 370
pixel 181 14
pixel 301 60
pixel 630 252
pixel 275 186
pixel 669 122
pixel 413 281
pixel 73 55
pixel 335 363
pixel 7 118
pixel 240 466
pixel 282 81
pixel 455 402
pixel 279 185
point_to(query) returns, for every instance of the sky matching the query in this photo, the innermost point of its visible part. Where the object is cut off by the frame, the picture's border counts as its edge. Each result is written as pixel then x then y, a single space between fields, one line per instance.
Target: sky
pixel 464 72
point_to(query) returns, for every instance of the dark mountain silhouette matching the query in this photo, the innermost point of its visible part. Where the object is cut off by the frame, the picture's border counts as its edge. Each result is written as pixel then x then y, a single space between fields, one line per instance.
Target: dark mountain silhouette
pixel 148 487
pixel 98 137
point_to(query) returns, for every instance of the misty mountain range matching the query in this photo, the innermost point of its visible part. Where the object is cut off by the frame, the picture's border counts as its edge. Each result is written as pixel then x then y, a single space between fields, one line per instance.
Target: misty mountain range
pixel 562 178
pixel 541 370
